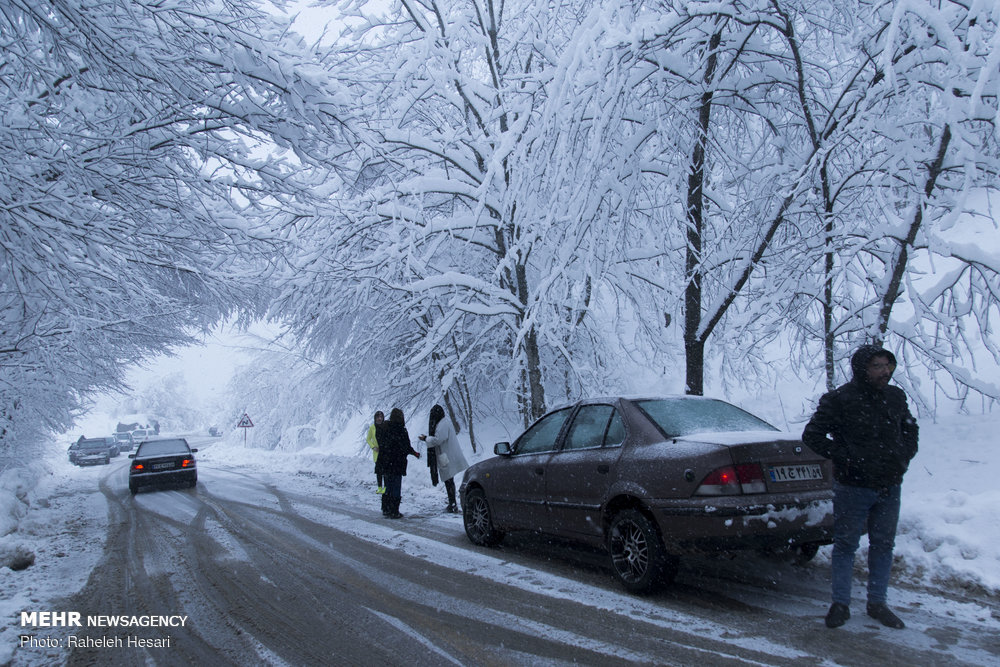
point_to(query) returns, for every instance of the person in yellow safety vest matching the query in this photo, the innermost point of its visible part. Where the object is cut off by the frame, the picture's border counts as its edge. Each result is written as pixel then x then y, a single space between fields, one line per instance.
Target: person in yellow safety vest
pixel 372 439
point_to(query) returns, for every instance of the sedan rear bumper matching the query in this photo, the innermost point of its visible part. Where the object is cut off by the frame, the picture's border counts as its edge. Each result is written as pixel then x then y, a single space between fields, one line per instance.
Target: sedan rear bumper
pixel 165 476
pixel 737 522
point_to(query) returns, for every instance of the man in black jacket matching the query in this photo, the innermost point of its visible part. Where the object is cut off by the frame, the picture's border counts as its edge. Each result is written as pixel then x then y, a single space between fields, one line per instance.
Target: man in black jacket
pixel 866 428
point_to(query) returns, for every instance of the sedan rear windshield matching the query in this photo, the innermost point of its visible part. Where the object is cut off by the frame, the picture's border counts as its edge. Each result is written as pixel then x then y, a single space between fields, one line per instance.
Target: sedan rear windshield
pixel 685 416
pixel 163 448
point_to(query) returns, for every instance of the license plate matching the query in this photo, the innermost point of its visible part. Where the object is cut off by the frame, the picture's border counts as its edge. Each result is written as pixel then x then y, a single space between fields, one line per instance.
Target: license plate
pixel 161 466
pixel 806 472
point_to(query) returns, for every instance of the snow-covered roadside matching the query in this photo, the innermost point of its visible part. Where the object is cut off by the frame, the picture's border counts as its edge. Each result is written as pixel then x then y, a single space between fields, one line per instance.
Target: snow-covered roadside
pixel 59 522
pixel 948 534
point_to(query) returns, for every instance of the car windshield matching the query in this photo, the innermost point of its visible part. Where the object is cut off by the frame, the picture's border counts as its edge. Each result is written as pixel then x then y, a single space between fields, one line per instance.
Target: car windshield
pixel 685 416
pixel 163 448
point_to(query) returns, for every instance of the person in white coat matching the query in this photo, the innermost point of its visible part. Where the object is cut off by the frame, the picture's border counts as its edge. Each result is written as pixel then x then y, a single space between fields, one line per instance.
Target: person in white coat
pixel 444 455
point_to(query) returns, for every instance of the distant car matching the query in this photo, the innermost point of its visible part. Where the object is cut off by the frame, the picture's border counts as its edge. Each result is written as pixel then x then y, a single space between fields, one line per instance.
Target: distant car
pixel 650 479
pixel 162 462
pixel 90 451
pixel 124 440
pixel 140 434
pixel 113 445
pixel 215 431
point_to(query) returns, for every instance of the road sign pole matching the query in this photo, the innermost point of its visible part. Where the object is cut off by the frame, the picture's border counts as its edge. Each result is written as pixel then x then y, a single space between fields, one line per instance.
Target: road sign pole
pixel 244 423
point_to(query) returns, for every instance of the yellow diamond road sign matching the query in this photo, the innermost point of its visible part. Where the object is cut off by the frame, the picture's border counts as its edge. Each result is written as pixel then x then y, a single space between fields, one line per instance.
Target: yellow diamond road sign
pixel 245 422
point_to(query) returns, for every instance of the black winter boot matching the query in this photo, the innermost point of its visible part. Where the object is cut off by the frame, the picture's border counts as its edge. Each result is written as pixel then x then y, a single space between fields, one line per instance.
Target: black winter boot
pixel 838 615
pixel 881 613
pixel 394 509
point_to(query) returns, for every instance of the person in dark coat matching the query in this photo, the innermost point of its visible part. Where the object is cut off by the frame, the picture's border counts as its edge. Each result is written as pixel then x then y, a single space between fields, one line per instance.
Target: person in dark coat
pixel 393 448
pixel 866 429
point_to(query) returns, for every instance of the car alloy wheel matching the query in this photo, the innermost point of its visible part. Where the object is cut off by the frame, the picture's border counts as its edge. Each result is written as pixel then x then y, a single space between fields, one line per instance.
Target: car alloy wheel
pixel 479 520
pixel 638 557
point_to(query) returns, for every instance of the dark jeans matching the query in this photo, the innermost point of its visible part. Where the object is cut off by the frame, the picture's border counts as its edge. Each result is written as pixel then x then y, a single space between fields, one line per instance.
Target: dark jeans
pixel 393 486
pixel 855 510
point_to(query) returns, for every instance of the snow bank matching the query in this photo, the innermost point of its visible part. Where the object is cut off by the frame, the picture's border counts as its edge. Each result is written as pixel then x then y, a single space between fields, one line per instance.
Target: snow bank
pixel 949 530
pixel 16 486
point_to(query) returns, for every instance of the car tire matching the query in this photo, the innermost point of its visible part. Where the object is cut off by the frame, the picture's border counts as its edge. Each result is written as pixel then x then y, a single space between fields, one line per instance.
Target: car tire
pixel 639 560
pixel 806 552
pixel 478 519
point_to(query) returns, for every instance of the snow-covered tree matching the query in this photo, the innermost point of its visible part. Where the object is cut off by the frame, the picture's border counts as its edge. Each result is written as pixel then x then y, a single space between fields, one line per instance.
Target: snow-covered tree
pixel 433 265
pixel 149 155
pixel 928 160
pixel 804 130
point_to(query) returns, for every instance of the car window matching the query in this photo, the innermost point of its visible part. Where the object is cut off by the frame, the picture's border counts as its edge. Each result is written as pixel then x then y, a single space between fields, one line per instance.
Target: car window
pixel 162 448
pixel 541 437
pixel 589 427
pixel 685 416
pixel 616 431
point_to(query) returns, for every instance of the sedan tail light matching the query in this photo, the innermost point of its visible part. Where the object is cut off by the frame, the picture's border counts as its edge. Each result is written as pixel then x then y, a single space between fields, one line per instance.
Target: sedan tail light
pixel 733 480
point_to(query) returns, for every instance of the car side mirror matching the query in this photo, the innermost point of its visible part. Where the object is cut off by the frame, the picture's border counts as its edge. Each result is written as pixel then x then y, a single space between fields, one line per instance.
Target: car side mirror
pixel 194 450
pixel 131 456
pixel 502 449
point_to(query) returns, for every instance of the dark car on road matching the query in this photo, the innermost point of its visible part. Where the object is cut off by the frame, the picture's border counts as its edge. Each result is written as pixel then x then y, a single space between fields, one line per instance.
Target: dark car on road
pixel 651 479
pixel 90 451
pixel 162 462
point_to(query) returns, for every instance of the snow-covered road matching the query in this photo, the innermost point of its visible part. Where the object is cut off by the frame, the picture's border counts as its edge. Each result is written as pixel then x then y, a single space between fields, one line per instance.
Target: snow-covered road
pixel 298 570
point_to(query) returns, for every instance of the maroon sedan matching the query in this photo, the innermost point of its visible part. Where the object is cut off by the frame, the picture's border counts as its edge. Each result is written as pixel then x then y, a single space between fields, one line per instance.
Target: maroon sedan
pixel 649 479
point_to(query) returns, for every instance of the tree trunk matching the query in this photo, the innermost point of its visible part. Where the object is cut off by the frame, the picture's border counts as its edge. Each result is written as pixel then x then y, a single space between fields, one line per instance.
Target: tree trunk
pixel 828 261
pixel 535 387
pixel 694 340
pixel 533 405
pixel 898 267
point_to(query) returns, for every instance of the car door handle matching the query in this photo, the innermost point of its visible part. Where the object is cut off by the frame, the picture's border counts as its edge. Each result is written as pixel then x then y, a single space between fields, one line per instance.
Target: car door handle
pixel 539 471
pixel 603 468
